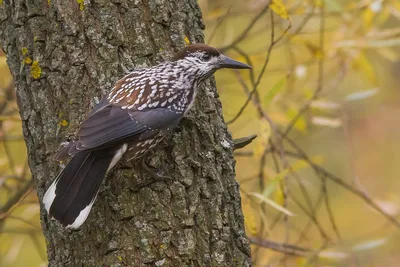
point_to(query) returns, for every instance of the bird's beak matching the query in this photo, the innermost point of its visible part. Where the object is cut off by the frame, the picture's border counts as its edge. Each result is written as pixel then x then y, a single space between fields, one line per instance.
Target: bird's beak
pixel 228 63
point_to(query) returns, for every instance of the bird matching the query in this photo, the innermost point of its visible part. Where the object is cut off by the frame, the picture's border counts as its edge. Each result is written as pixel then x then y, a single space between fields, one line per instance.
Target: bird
pixel 139 111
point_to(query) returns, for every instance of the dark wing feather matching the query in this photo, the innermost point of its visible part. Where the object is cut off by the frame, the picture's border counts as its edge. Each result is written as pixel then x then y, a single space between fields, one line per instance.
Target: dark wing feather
pixel 77 186
pixel 111 125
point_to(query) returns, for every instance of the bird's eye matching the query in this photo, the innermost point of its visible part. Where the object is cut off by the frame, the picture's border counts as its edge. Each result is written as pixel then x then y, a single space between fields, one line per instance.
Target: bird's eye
pixel 206 57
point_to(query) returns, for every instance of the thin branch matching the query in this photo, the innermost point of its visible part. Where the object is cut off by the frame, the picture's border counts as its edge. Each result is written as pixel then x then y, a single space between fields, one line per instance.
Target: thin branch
pixel 288 249
pixel 320 83
pixel 314 210
pixel 38 246
pixel 220 21
pixel 243 35
pixel 329 210
pixel 18 196
pixel 24 221
pixel 272 44
pixel 312 216
pixel 320 170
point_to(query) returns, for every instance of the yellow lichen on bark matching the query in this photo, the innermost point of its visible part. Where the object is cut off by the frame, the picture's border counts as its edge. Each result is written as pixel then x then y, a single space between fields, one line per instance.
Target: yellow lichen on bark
pixel 187 41
pixel 80 2
pixel 27 60
pixel 36 71
pixel 64 123
pixel 24 50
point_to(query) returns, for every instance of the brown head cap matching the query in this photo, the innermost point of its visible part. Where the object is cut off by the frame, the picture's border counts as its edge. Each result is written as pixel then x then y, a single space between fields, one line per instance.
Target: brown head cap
pixel 195 48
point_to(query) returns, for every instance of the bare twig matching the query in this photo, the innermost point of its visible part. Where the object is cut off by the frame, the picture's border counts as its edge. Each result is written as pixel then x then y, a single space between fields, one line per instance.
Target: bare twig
pixel 24 221
pixel 243 35
pixel 272 44
pixel 321 171
pixel 18 196
pixel 312 216
pixel 320 72
pixel 329 210
pixel 220 21
pixel 285 248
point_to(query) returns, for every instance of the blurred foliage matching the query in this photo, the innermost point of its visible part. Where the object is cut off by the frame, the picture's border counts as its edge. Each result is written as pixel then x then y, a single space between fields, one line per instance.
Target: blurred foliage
pixel 330 89
pixel 22 242
pixel 323 99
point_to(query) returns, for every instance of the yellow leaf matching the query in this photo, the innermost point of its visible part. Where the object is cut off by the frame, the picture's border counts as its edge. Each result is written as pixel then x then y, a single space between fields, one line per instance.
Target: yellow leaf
pixel 240 58
pixel 301 124
pixel 370 244
pixel 275 90
pixel 279 8
pixel 396 5
pixel 9 118
pixel 318 54
pixel 3 62
pixel 325 105
pixel 279 196
pixel 36 71
pixel 272 204
pixel 318 159
pixel 326 121
pixel 5 77
pixel 333 255
pixel 383 16
pixel 388 54
pixel 367 17
pixel 308 93
pixel 249 218
pixel 263 137
pixel 300 10
pixel 302 261
pixel 389 207
pixel 215 13
pixel 318 3
pixel 273 183
pixel 364 65
pixel 296 166
pixel 279 117
pixel 315 50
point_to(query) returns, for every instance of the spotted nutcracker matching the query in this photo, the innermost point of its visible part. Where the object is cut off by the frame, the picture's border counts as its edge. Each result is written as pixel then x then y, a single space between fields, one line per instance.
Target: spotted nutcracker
pixel 140 110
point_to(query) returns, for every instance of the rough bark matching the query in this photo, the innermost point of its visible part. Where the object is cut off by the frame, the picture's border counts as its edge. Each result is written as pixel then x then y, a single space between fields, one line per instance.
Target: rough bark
pixel 192 217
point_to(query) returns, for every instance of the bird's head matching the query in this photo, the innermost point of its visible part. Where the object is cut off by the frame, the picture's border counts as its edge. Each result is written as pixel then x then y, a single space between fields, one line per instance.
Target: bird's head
pixel 204 60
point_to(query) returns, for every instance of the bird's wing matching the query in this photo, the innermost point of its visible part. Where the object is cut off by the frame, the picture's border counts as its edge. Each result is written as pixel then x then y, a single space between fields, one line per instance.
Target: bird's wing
pixel 110 125
pixel 121 118
pixel 113 124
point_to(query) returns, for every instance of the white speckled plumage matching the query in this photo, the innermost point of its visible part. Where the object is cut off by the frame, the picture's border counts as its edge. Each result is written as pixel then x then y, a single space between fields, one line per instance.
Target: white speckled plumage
pixel 141 109
pixel 171 84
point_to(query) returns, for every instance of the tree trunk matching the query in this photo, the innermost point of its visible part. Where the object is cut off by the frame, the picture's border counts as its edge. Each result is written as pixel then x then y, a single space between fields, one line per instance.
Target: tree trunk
pixel 64 55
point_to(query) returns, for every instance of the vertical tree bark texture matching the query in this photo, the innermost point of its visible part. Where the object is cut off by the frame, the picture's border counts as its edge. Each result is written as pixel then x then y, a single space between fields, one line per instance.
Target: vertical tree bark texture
pixel 65 54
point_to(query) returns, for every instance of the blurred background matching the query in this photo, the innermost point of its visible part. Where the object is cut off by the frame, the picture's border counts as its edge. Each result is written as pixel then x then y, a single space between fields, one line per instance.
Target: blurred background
pixel 320 183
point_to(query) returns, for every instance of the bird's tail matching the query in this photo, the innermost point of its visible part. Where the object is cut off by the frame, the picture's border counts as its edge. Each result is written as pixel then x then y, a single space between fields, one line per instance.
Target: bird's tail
pixel 70 197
